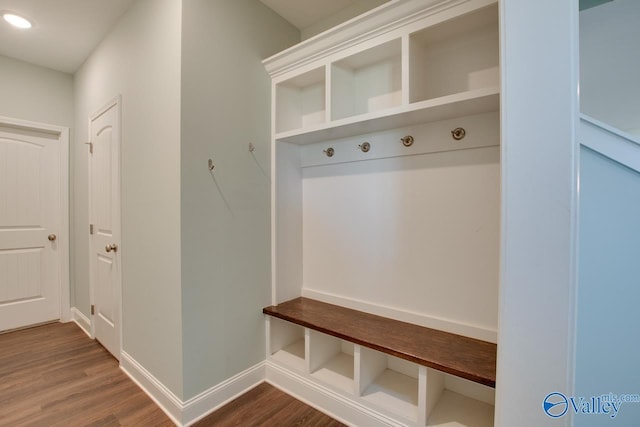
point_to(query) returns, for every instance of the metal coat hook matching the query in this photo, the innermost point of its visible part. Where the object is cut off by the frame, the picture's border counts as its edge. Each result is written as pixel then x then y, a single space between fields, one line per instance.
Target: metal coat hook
pixel 211 165
pixel 458 133
pixel 407 141
pixel 252 147
pixel 365 147
pixel 329 152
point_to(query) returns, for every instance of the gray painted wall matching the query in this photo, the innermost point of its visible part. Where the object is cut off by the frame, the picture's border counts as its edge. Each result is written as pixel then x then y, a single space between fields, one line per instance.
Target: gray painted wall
pixel 609 64
pixel 225 215
pixel 607 346
pixel 34 93
pixel 139 59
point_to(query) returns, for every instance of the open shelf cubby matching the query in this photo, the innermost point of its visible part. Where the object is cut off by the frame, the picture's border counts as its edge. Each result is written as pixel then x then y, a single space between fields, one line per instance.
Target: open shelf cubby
pixel 389 383
pixel 300 101
pixel 367 82
pixel 287 344
pixel 455 56
pixel 453 401
pixel 331 361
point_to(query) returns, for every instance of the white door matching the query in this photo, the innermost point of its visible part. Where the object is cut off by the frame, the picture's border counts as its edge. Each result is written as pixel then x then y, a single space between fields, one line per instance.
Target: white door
pixel 105 223
pixel 30 221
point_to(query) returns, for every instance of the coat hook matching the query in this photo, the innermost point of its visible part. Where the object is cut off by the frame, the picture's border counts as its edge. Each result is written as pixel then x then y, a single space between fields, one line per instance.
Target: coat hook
pixel 211 165
pixel 407 141
pixel 458 133
pixel 252 147
pixel 329 152
pixel 365 147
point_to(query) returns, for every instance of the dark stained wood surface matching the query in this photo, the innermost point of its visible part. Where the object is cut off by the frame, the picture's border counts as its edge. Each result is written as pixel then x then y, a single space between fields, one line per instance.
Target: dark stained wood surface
pixel 468 358
pixel 266 406
pixel 54 375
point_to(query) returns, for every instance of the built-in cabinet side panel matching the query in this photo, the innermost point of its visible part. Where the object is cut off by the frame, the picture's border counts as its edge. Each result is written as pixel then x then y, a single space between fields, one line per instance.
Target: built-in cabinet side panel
pixel 288 222
pixel 539 208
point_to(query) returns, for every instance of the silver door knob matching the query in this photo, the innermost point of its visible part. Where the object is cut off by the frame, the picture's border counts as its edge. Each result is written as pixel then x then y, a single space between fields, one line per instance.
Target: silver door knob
pixel 52 237
pixel 112 247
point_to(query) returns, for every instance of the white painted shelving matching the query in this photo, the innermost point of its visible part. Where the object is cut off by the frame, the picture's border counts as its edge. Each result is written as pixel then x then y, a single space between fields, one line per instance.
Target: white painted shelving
pixel 397 231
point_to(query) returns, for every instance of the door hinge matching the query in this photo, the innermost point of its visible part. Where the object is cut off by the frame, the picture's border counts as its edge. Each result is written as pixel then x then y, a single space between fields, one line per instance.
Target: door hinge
pixel 90 228
pixel 93 309
pixel 90 144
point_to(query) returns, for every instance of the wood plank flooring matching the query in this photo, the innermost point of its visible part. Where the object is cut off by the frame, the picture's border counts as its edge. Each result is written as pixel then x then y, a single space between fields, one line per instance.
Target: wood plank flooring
pixel 55 376
pixel 266 406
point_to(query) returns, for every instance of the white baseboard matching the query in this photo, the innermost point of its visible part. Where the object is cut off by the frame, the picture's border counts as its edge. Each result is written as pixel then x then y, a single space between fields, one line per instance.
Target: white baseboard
pixel 341 408
pixel 161 395
pixel 447 325
pixel 185 413
pixel 81 320
pixel 208 401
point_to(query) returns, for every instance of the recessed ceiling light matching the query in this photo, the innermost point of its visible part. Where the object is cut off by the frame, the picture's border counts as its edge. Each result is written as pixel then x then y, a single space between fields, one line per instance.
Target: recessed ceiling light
pixel 16 20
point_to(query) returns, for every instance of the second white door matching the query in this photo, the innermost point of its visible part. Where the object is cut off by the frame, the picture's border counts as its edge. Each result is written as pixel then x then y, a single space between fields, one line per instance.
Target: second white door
pixel 105 226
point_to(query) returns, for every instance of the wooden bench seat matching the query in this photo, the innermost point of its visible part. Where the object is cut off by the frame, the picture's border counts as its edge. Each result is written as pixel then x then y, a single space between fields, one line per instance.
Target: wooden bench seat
pixel 464 357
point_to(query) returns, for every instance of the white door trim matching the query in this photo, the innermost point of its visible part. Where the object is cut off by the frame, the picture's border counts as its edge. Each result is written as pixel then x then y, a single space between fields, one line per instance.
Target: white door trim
pixel 115 101
pixel 63 231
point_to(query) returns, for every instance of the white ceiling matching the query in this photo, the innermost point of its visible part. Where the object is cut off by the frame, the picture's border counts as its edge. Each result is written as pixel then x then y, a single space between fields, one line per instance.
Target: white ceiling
pixel 64 33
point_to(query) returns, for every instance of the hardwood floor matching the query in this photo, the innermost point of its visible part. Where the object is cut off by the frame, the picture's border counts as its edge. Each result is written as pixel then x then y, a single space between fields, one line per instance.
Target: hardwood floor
pixel 55 376
pixel 266 406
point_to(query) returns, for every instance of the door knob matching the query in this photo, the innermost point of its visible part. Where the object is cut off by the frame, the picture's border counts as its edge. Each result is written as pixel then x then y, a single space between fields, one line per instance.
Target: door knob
pixel 112 247
pixel 52 237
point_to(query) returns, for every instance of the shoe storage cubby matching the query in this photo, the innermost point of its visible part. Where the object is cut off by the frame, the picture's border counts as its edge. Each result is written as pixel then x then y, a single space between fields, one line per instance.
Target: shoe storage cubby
pixel 385 181
pixel 331 361
pixel 416 375
pixel 390 384
pixel 287 344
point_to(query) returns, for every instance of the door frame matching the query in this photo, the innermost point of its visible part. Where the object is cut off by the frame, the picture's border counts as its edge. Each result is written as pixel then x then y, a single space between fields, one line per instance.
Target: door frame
pixel 62 133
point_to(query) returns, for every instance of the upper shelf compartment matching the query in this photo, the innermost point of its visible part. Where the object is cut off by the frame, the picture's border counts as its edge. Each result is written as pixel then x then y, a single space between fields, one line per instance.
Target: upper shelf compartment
pixel 411 62
pixel 455 56
pixel 367 82
pixel 300 102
